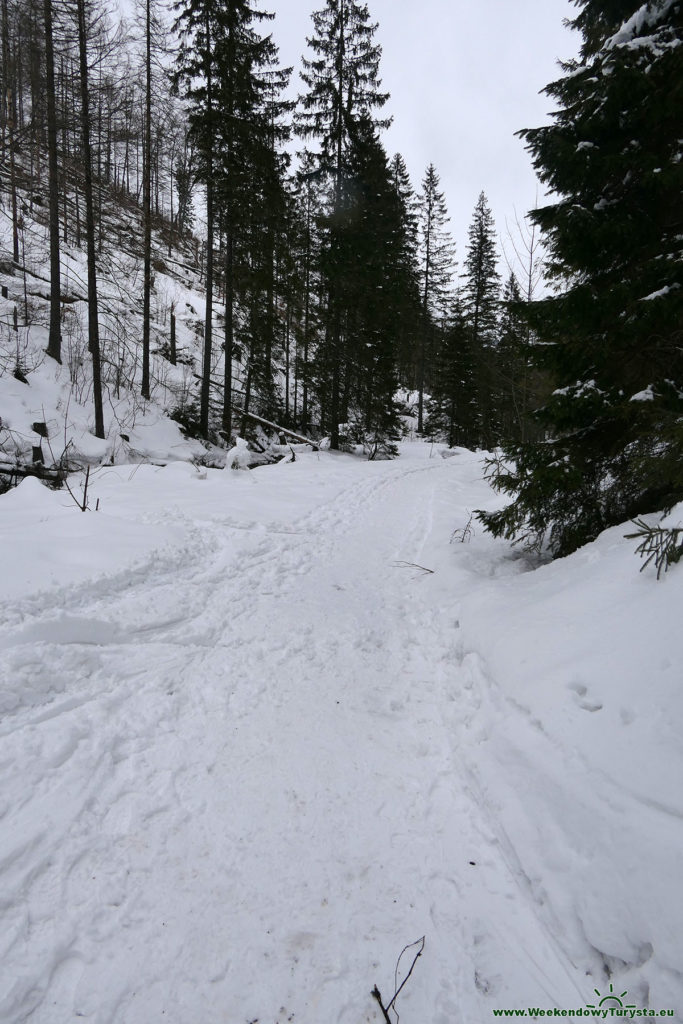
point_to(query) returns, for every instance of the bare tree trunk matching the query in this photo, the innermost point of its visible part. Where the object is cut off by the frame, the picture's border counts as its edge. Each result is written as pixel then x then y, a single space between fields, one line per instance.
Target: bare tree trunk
pixel 229 333
pixel 423 340
pixel 4 98
pixel 270 304
pixel 10 117
pixel 146 203
pixel 287 361
pixel 170 188
pixel 208 324
pixel 307 322
pixel 93 322
pixel 63 100
pixel 54 347
pixel 173 340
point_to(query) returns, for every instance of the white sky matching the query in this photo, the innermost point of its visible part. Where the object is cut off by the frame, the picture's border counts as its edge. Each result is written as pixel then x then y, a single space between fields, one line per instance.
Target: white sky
pixel 464 75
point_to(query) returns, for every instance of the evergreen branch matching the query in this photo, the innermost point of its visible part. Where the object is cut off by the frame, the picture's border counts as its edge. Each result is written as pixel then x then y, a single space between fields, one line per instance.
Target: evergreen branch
pixel 658 544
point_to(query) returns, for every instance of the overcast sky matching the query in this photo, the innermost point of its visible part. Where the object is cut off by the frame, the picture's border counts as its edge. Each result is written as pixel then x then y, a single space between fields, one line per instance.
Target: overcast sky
pixel 464 75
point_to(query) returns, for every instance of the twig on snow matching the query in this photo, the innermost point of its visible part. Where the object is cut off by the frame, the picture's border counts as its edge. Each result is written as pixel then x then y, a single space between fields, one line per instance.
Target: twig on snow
pixel 465 533
pixel 376 994
pixel 412 565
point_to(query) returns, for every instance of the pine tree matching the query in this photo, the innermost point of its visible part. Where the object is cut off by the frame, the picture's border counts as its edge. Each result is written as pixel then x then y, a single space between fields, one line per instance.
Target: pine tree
pixel 612 335
pixel 450 408
pixel 401 182
pixel 436 259
pixel 481 305
pixel 510 383
pixel 261 244
pixel 378 280
pixel 599 20
pixel 528 388
pixel 250 194
pixel 201 26
pixel 307 215
pixel 409 326
pixel 342 81
pixel 227 69
pixel 343 86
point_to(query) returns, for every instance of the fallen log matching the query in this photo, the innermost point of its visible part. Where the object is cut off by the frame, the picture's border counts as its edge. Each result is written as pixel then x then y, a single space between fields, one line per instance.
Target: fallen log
pixel 22 469
pixel 259 419
pixel 276 426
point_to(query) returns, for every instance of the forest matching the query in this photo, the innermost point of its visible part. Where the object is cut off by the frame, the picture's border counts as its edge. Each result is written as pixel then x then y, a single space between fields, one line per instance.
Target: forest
pixel 386 728
pixel 333 303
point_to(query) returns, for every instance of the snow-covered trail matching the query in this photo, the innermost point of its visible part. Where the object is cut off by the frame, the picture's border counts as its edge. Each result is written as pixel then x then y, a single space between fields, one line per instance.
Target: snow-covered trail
pixel 252 791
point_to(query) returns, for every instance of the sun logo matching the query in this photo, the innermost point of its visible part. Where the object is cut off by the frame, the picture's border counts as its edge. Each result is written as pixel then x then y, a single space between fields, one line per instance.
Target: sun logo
pixel 611 999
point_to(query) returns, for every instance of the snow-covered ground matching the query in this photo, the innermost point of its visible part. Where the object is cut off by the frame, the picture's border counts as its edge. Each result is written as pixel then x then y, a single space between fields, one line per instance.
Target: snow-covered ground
pixel 250 751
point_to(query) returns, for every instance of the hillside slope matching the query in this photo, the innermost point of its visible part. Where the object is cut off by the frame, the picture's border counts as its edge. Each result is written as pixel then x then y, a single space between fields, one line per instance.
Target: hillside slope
pixel 35 389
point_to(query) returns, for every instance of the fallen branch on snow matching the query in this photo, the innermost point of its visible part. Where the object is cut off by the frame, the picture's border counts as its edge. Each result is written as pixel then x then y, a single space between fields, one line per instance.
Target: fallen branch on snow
pixel 413 565
pixel 377 995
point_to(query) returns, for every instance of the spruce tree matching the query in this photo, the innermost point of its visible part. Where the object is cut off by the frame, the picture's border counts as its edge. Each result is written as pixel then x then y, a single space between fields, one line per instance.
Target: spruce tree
pixel 343 87
pixel 249 193
pixel 306 246
pixel 510 382
pixel 481 305
pixel 409 319
pixel 403 188
pixel 451 405
pixel 201 26
pixel 436 256
pixel 612 335
pixel 228 73
pixel 378 281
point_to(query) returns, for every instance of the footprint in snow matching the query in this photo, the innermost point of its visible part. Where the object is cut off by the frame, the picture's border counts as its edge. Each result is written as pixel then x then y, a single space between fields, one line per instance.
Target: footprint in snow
pixel 584 702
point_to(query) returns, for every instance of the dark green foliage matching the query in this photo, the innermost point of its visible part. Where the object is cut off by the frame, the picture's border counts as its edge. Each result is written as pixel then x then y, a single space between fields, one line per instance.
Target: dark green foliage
pixel 409 319
pixel 661 545
pixel 371 238
pixel 481 278
pixel 233 86
pixel 305 246
pixel 599 19
pixel 451 409
pixel 480 299
pixel 612 337
pixel 436 263
pixel 363 241
pixel 188 416
pixel 184 180
pixel 518 387
pixel 436 251
pixel 342 80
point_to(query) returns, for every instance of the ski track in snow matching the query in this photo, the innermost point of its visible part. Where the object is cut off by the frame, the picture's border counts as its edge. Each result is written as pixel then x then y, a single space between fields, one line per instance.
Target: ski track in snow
pixel 243 790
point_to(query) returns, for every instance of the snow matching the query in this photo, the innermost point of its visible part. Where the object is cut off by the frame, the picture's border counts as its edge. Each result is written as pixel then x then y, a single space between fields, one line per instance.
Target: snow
pixel 251 750
pixel 660 293
pixel 647 395
pixel 645 17
pixel 239 456
pixel 580 389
